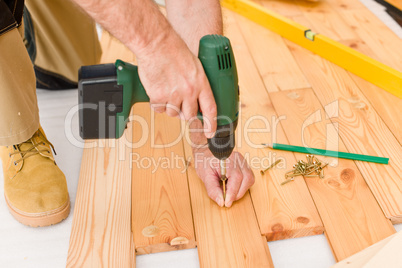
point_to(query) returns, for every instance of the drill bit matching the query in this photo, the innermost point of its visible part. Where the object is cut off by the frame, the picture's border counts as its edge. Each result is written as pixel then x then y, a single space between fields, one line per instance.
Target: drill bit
pixel 223 178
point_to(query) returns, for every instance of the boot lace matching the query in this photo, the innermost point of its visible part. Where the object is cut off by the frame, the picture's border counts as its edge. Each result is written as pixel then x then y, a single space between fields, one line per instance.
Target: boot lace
pixel 31 151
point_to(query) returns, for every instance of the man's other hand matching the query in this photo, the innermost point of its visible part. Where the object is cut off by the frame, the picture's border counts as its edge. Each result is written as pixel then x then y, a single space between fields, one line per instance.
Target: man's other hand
pixel 239 176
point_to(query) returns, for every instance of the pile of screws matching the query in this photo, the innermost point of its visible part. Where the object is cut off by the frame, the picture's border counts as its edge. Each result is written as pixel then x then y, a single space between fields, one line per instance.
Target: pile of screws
pixel 312 168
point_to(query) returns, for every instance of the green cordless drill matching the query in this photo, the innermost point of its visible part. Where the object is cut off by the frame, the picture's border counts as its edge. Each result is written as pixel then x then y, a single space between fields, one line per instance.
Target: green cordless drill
pixel 107 92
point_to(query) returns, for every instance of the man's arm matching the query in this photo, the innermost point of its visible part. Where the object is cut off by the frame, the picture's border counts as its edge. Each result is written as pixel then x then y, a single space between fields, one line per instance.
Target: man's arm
pixel 170 73
pixel 192 19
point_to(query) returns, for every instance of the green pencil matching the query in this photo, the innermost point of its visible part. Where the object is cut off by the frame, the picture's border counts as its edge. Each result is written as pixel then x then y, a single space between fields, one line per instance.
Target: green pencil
pixel 307 150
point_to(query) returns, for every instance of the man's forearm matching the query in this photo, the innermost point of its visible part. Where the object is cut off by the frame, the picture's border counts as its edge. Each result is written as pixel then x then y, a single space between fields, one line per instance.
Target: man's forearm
pixel 192 19
pixel 137 23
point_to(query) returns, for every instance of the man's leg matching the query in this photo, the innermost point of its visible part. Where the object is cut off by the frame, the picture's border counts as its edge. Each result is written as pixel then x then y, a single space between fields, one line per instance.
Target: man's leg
pixel 35 188
pixel 65 39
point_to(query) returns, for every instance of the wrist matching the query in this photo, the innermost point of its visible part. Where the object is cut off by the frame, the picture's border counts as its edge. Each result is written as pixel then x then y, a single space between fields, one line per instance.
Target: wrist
pixel 164 42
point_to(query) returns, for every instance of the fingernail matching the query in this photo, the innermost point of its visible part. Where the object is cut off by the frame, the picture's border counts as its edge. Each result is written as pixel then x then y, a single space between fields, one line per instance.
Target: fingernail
pixel 219 201
pixel 228 201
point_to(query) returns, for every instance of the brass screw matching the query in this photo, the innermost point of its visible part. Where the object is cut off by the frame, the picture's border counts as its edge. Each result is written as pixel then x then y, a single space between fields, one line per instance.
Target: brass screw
pixel 272 165
pixel 288 180
pixel 312 168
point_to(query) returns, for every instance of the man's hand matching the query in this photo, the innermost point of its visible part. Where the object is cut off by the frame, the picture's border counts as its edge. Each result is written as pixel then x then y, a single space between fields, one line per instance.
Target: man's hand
pixel 175 81
pixel 170 73
pixel 240 177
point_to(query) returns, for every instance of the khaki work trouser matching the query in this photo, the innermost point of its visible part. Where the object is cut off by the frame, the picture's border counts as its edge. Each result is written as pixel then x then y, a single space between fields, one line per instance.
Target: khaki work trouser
pixel 66 39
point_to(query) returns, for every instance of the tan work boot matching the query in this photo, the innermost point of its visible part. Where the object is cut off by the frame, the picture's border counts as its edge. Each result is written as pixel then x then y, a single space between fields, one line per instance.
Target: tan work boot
pixel 34 187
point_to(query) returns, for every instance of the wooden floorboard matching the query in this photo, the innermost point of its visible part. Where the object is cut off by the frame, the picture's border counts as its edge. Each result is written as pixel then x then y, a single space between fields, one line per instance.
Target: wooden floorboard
pixel 360 128
pixel 161 212
pixel 101 229
pixel 372 38
pixel 277 66
pixel 378 37
pixel 351 216
pixel 389 255
pixel 326 20
pixel 282 212
pixel 359 259
pixel 226 237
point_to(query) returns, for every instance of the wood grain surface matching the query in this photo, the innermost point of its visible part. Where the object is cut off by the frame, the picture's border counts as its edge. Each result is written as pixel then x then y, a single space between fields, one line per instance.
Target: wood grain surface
pixel 226 237
pixel 359 259
pixel 389 255
pixel 282 212
pixel 161 212
pixel 101 229
pixel 378 37
pixel 277 66
pixel 360 127
pixel 326 20
pixel 351 216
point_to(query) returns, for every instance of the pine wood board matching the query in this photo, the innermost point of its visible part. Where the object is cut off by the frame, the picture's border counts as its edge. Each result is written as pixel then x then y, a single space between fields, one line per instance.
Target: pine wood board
pixel 281 212
pixel 345 20
pixel 359 259
pixel 389 255
pixel 395 3
pixel 287 8
pixel 101 229
pixel 277 66
pixel 351 216
pixel 326 20
pixel 378 37
pixel 360 128
pixel 161 212
pixel 387 106
pixel 226 237
pixel 342 5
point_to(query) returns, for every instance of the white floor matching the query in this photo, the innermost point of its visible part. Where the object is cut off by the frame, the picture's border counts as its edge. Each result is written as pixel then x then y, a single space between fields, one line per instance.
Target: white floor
pixel 22 246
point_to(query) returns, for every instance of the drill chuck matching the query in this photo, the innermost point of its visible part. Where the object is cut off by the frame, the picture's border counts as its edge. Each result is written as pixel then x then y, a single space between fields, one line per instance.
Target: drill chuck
pixel 223 143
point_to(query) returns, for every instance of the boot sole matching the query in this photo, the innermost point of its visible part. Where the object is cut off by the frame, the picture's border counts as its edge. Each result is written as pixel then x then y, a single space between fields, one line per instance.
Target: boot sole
pixel 40 219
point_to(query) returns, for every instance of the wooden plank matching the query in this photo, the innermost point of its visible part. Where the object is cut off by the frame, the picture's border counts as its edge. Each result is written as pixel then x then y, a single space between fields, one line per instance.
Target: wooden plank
pixel 281 212
pixel 285 8
pixel 226 237
pixel 360 128
pixel 389 255
pixel 359 259
pixel 101 233
pixel 351 216
pixel 132 252
pixel 277 66
pixel 354 61
pixel 343 5
pixel 395 3
pixel 378 37
pixel 326 20
pixel 161 211
pixel 385 104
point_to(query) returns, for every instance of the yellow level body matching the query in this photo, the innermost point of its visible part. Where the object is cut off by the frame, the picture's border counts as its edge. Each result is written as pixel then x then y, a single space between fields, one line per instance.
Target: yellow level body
pixel 367 68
